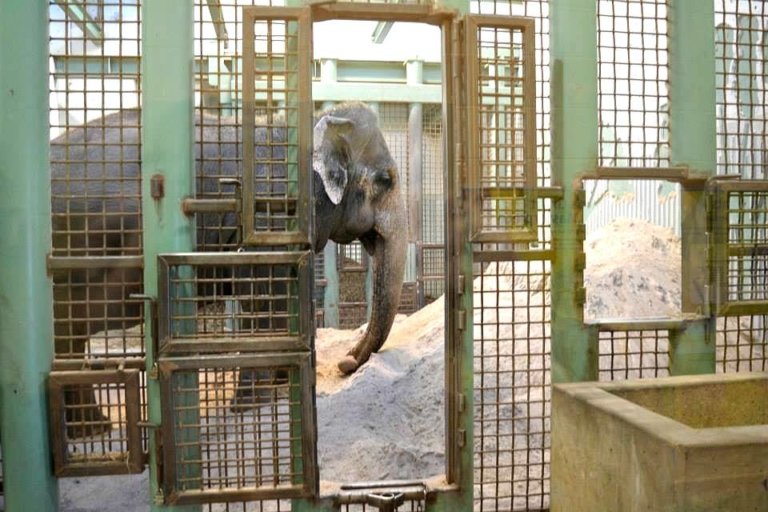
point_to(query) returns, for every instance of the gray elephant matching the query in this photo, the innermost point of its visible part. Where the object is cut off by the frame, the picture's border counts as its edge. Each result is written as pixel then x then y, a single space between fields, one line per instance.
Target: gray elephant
pixel 357 196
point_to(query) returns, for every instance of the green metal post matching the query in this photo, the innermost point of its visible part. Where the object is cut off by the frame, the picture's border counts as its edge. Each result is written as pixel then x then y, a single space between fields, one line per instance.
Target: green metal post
pixel 692 143
pixel 26 301
pixel 574 150
pixel 167 154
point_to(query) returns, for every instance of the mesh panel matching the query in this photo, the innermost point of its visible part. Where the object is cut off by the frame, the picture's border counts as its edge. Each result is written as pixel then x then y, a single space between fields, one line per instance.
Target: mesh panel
pixel 748 242
pixel 740 55
pixel 742 344
pixel 633 72
pixel 96 414
pixel 218 49
pixel 393 122
pixel 212 302
pixel 235 425
pixel 501 111
pixel 633 354
pixel 512 386
pixel 539 11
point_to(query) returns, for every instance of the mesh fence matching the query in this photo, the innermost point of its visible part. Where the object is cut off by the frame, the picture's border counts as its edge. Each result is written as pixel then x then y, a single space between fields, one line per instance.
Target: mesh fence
pixel 633 73
pixel 740 87
pixel 512 379
pixel 633 354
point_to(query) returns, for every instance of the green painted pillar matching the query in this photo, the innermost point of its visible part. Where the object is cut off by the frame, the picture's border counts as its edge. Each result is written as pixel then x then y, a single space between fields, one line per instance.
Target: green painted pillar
pixel 693 143
pixel 26 301
pixel 167 154
pixel 574 151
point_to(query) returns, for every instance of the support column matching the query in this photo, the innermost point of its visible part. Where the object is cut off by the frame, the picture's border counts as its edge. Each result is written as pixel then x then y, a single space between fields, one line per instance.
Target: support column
pixel 415 76
pixel 693 143
pixel 167 153
pixel 26 297
pixel 330 264
pixel 574 151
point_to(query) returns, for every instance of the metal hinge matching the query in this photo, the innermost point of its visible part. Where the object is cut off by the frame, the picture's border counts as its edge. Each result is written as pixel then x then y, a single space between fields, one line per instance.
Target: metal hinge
pixel 154 372
pixel 461 319
pixel 461 398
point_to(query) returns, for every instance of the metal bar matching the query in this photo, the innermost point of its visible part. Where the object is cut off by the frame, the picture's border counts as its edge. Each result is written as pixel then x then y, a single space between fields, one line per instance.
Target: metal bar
pixel 378 11
pixel 168 137
pixel 26 322
pixel 574 143
pixel 88 262
pixel 300 258
pixel 693 144
pixel 191 205
pixel 677 174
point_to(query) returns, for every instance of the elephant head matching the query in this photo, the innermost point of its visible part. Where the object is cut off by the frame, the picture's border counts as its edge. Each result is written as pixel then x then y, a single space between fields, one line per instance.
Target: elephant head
pixel 358 197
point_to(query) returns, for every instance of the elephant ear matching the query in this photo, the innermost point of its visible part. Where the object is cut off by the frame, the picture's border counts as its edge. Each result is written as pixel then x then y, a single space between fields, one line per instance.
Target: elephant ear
pixel 331 154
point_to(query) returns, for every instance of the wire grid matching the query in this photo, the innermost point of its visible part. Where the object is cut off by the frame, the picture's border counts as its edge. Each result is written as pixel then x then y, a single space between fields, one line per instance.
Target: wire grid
pixel 633 76
pixel 742 343
pixel 512 385
pixel 250 506
pixel 230 300
pixel 93 318
pixel 741 87
pixel 539 11
pixel 235 428
pixel 218 46
pixel 96 424
pixel 275 153
pixel 95 183
pixel 393 123
pixel 748 246
pixel 632 354
pixel 503 174
pixel 351 256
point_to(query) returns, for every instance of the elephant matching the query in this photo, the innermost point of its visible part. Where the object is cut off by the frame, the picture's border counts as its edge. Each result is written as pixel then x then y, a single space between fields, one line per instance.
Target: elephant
pixel 356 196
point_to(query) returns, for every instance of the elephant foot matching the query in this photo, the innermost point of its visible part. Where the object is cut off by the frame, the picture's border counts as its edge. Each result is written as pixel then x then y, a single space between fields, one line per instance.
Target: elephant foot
pixel 348 365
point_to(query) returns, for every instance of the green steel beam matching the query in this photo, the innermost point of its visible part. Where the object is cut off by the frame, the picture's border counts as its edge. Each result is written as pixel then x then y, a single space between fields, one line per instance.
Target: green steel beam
pixel 693 143
pixel 26 310
pixel 574 151
pixel 217 17
pixel 167 152
pixel 77 14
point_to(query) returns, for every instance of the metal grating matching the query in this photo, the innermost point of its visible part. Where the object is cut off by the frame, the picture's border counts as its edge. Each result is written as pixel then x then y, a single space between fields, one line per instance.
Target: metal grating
pixel 235 301
pixel 740 55
pixel 276 84
pixel 740 247
pixel 94 421
pixel 501 146
pixel 742 344
pixel 511 384
pixel 633 76
pixel 633 354
pixel 393 123
pixel 218 47
pixel 239 427
pixel 538 10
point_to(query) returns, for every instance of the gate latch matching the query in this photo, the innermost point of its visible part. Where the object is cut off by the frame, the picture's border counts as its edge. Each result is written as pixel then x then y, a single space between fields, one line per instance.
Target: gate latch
pixel 386 501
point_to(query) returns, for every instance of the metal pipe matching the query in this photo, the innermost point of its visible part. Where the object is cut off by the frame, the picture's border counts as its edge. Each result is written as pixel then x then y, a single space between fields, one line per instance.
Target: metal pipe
pixel 415 76
pixel 26 314
pixel 167 149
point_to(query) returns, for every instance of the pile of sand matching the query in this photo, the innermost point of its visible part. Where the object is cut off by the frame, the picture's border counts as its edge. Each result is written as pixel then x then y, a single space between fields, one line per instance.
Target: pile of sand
pixel 386 421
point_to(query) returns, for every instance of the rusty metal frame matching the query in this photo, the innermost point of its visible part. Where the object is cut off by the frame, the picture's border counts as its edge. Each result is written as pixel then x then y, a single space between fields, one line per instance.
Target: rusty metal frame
pixel 168 343
pixel 721 250
pixel 305 443
pixel 478 193
pixel 132 460
pixel 301 233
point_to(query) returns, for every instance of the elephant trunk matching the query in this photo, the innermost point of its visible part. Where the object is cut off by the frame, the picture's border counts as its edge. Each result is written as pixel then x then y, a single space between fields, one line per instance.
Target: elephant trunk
pixel 389 254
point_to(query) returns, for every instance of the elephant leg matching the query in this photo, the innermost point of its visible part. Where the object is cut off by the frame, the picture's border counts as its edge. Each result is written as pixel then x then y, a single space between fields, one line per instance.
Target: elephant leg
pixel 388 271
